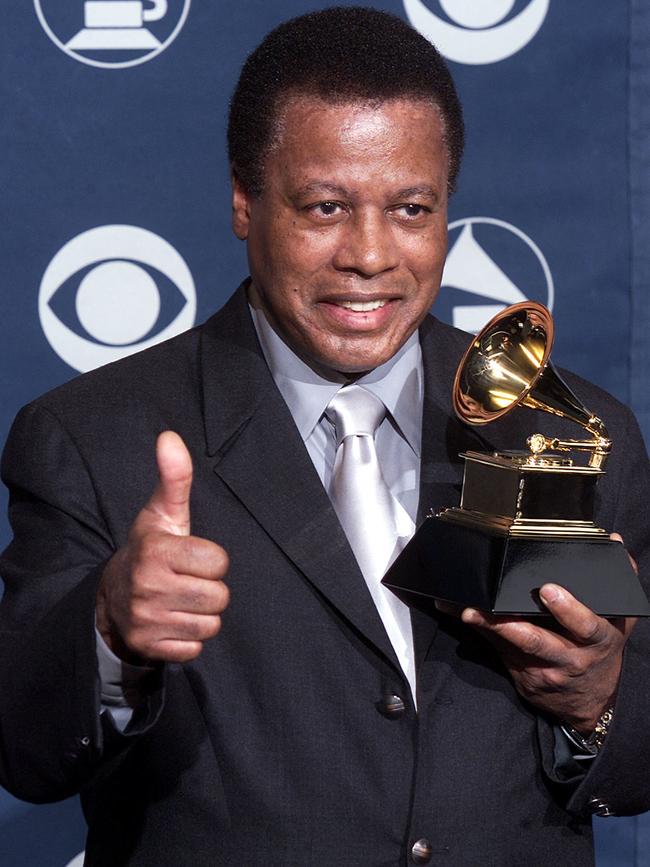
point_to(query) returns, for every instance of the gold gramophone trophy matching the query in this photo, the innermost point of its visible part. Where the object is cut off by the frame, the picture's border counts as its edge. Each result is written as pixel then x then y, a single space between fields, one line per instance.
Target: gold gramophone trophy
pixel 525 517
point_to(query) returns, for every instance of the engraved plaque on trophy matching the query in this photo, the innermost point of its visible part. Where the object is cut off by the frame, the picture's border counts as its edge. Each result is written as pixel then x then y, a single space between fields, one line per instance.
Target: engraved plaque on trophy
pixel 525 517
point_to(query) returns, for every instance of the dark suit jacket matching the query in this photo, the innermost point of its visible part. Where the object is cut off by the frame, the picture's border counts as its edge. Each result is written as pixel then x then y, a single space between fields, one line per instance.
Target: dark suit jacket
pixel 276 746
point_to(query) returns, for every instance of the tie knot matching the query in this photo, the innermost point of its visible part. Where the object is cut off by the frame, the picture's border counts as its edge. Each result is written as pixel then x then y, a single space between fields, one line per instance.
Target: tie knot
pixel 355 412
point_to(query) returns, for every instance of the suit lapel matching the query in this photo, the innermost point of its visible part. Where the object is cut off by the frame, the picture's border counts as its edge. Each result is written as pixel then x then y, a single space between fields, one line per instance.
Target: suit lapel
pixel 443 439
pixel 261 457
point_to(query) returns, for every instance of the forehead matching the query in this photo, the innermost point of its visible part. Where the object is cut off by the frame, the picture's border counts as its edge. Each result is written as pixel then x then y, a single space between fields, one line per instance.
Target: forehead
pixel 315 134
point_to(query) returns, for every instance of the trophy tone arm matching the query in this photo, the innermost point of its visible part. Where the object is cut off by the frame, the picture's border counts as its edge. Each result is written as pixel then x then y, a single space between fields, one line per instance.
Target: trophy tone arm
pixel 600 447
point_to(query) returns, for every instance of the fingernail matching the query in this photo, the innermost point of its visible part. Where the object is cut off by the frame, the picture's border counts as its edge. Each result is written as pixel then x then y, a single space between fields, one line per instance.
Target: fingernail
pixel 550 593
pixel 470 615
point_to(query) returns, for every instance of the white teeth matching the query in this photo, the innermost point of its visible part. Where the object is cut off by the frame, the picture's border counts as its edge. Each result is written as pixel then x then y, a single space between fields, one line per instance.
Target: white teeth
pixel 361 306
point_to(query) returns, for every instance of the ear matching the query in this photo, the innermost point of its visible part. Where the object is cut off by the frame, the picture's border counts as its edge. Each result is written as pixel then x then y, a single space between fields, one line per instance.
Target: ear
pixel 240 207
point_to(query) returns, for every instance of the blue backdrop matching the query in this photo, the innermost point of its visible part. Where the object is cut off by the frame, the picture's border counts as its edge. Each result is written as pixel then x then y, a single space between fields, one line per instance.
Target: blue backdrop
pixel 116 206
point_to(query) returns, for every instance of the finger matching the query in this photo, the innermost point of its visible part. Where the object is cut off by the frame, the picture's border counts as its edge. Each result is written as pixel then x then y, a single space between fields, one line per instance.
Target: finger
pixel 197 596
pixel 177 637
pixel 184 637
pixel 170 502
pixel 191 555
pixel 577 619
pixel 517 635
pixel 180 626
pixel 174 650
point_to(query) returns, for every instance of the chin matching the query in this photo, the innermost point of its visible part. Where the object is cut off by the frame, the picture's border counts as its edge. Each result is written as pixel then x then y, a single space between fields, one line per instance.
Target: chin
pixel 352 361
pixel 355 367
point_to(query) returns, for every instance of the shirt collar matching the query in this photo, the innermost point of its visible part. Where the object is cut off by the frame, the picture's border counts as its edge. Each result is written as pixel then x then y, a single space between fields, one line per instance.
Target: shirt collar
pixel 399 383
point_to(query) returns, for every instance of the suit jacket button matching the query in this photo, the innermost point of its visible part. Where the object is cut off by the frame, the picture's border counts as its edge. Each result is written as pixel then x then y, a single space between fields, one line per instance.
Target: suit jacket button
pixel 391 706
pixel 421 851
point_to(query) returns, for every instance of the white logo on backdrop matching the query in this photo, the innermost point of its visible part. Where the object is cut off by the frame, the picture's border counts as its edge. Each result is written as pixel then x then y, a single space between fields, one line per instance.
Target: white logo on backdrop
pixel 471 269
pixel 112 27
pixel 480 34
pixel 77 861
pixel 117 301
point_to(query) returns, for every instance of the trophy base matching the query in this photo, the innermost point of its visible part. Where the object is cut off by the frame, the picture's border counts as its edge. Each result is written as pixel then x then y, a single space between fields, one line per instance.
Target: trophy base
pixel 483 567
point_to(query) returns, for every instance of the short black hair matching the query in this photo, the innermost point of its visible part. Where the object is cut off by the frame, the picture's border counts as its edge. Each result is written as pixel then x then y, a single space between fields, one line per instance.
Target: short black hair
pixel 341 54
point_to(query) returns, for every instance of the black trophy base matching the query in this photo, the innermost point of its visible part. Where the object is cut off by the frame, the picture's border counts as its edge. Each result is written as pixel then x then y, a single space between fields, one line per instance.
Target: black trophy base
pixel 475 567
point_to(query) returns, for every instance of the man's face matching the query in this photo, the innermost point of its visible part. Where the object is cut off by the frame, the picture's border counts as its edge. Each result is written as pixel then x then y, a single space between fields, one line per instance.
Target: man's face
pixel 347 242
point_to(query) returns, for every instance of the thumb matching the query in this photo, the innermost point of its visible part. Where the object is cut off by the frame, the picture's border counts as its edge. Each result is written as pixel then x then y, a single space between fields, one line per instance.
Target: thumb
pixel 170 501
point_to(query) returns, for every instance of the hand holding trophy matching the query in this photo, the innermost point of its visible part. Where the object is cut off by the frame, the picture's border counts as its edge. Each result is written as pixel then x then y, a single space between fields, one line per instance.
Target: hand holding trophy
pixel 526 517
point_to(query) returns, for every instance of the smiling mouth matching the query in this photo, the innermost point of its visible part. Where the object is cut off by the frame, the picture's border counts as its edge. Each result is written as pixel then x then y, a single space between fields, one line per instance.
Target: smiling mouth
pixel 361 306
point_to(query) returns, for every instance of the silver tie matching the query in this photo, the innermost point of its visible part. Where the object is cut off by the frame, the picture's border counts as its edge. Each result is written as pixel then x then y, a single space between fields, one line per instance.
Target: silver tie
pixel 370 515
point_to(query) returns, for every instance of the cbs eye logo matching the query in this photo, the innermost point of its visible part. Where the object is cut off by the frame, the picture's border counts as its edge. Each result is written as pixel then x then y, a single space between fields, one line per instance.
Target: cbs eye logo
pixel 112 291
pixel 478 32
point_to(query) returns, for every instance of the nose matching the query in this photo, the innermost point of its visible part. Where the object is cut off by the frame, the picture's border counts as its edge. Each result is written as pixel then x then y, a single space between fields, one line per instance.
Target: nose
pixel 367 245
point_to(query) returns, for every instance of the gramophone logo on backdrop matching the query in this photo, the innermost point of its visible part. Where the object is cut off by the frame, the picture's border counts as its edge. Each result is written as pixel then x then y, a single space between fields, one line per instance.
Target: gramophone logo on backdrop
pixel 112 34
pixel 490 265
pixel 112 291
pixel 478 31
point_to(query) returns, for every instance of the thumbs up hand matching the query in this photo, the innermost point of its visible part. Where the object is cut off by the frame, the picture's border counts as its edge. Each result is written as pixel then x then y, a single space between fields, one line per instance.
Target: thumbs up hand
pixel 161 595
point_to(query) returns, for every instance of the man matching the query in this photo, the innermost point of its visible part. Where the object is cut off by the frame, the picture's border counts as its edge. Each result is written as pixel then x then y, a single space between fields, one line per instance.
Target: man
pixel 320 726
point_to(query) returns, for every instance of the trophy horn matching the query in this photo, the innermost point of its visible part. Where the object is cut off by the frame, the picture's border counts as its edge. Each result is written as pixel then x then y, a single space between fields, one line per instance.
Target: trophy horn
pixel 507 365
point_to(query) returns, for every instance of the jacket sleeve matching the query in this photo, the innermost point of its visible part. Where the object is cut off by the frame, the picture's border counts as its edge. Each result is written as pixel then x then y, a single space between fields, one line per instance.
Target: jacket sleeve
pixel 617 782
pixel 51 734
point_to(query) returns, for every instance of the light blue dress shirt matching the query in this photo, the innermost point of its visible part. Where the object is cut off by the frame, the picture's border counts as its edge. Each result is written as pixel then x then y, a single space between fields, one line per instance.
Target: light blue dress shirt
pixel 399 384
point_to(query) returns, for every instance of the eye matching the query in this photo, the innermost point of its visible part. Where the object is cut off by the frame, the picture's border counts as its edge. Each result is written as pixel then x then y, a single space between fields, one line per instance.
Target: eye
pixel 111 291
pixel 326 209
pixel 412 211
